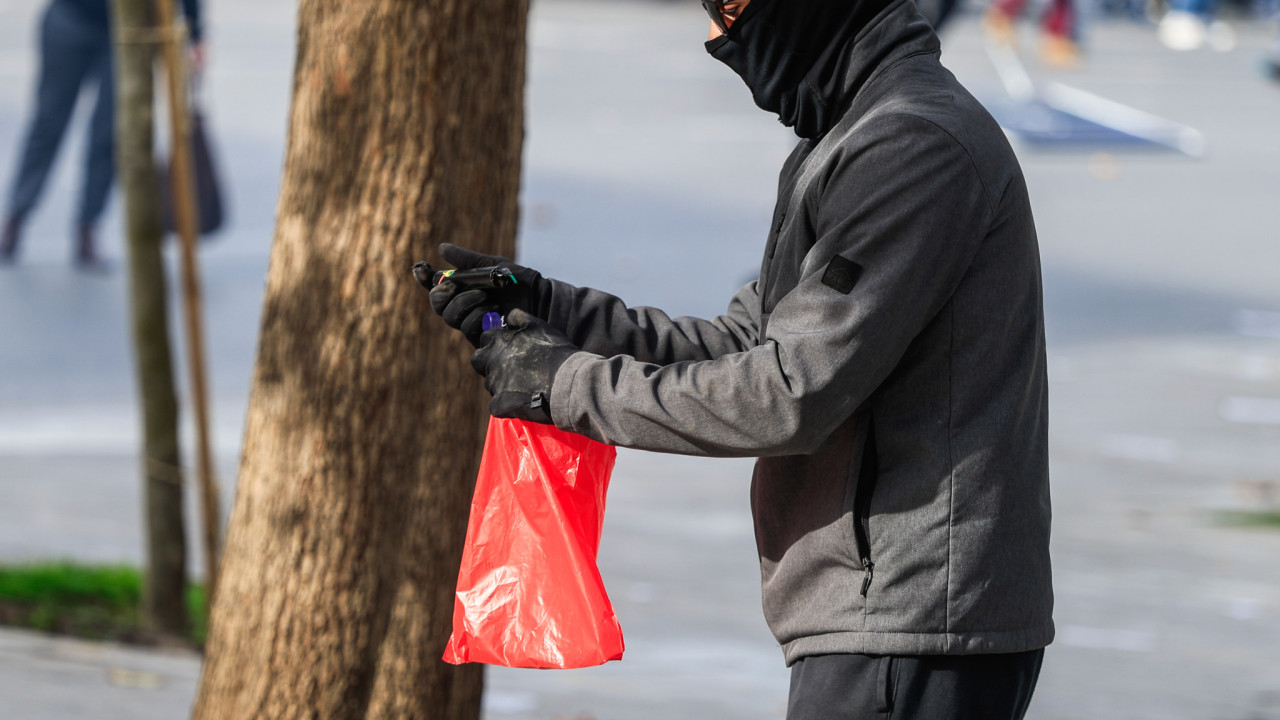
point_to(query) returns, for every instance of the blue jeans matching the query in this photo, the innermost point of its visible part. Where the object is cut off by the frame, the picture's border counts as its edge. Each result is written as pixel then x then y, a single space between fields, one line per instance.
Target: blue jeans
pixel 74 51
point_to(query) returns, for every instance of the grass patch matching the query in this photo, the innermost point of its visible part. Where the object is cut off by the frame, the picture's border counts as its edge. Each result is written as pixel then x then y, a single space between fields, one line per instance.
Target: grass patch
pixel 1261 519
pixel 88 601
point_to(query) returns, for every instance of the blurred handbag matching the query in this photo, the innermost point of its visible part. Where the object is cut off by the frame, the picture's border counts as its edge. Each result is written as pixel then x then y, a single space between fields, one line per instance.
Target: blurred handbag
pixel 209 206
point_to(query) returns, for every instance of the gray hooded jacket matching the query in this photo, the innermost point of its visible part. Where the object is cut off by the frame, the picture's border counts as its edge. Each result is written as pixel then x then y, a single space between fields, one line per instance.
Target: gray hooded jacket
pixel 887 369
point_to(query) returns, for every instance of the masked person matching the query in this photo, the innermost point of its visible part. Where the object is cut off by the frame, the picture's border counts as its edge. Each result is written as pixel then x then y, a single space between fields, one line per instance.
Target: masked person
pixel 887 369
pixel 75 51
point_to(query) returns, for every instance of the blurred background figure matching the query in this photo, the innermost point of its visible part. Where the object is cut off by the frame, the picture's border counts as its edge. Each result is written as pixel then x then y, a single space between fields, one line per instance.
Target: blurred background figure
pixel 75 51
pixel 1189 24
pixel 1059 26
pixel 1272 63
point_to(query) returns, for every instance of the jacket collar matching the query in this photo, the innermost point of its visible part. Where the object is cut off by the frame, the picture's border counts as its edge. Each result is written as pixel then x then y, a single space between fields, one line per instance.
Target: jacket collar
pixel 848 64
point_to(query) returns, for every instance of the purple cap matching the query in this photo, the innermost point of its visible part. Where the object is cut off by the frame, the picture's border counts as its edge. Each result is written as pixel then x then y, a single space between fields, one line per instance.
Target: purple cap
pixel 491 321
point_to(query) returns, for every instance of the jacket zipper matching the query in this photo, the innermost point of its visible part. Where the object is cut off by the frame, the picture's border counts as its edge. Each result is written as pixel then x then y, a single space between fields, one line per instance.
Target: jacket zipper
pixel 767 271
pixel 862 507
pixel 777 232
pixel 775 236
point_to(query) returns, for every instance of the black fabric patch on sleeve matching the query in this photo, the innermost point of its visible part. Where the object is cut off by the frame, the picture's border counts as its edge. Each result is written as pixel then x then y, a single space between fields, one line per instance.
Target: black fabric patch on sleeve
pixel 841 275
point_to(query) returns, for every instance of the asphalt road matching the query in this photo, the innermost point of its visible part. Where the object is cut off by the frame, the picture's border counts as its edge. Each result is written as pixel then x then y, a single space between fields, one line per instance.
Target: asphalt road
pixel 649 173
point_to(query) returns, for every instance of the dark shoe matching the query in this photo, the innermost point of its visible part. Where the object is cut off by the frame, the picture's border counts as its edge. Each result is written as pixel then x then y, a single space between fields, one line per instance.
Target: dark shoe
pixel 87 258
pixel 9 240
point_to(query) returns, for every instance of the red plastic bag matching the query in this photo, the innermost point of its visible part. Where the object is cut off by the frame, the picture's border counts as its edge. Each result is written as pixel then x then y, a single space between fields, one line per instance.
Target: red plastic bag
pixel 529 593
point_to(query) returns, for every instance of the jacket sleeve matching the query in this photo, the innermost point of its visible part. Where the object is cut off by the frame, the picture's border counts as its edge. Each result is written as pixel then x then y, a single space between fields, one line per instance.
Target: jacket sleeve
pixel 905 209
pixel 602 324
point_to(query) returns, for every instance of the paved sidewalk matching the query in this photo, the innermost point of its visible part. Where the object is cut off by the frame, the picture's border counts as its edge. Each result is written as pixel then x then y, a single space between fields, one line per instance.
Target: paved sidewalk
pixel 51 678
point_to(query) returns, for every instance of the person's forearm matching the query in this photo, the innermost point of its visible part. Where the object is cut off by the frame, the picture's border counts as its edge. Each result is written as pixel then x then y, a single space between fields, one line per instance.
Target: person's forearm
pixel 603 324
pixel 737 406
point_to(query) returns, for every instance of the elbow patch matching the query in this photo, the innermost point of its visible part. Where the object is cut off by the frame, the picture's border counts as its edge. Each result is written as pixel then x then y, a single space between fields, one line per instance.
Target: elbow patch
pixel 841 274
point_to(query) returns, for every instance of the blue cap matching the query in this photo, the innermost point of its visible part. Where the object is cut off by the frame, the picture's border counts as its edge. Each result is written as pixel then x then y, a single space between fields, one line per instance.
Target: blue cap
pixel 491 321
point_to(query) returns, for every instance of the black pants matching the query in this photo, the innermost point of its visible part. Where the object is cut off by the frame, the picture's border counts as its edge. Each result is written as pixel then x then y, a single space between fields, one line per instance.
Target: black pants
pixel 927 687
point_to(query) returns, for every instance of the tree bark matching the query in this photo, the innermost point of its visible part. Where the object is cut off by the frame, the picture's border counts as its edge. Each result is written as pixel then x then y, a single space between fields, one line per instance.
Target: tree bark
pixel 164 599
pixel 366 420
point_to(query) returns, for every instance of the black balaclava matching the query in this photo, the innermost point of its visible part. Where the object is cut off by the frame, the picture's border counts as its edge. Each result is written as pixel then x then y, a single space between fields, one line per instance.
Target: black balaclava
pixel 775 44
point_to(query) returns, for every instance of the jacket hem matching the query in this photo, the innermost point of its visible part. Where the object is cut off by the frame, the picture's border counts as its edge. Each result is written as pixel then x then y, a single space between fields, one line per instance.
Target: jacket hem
pixel 892 643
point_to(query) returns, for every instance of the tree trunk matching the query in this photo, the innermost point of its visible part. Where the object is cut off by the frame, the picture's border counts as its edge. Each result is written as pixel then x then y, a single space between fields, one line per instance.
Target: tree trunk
pixel 366 420
pixel 164 599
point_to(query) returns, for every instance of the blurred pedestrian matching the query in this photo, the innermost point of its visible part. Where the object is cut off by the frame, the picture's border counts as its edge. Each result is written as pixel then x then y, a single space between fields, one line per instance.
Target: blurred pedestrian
pixel 1189 24
pixel 1059 29
pixel 1271 65
pixel 887 370
pixel 75 52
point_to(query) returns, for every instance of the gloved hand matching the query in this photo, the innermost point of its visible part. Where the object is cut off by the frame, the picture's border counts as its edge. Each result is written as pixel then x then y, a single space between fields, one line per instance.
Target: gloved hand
pixel 465 310
pixel 519 363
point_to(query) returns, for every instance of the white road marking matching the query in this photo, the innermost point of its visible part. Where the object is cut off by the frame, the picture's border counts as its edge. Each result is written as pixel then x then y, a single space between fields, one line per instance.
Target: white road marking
pixel 1095 638
pixel 1144 448
pixel 1250 410
pixel 1257 323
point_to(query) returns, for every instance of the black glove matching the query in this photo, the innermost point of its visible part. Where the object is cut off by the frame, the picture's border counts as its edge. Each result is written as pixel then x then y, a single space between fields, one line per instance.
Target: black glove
pixel 519 363
pixel 465 310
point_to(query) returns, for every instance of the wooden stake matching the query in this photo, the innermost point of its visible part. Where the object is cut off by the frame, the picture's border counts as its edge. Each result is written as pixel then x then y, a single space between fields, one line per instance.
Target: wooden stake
pixel 186 222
